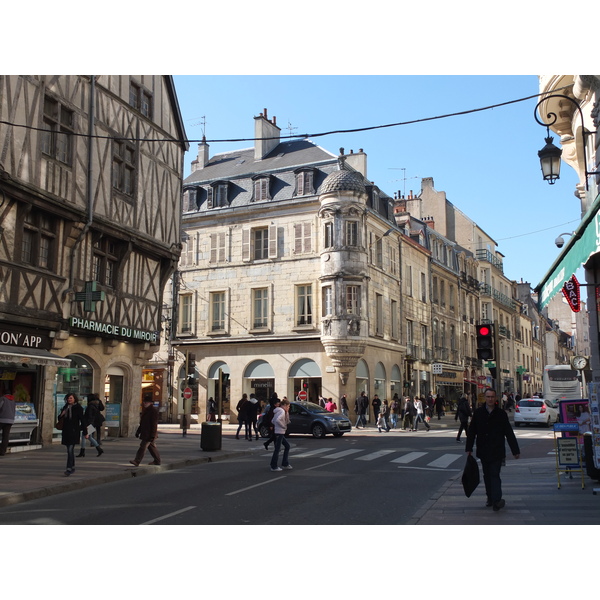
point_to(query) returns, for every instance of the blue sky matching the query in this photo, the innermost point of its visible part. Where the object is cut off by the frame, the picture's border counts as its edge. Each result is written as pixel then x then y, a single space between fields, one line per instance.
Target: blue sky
pixel 485 161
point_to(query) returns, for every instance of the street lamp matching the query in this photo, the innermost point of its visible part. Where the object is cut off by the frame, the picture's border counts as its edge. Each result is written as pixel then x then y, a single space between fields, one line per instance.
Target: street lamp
pixel 550 154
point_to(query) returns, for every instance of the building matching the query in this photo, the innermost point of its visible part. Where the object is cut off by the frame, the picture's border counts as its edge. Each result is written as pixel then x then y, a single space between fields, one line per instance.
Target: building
pixel 90 205
pixel 290 275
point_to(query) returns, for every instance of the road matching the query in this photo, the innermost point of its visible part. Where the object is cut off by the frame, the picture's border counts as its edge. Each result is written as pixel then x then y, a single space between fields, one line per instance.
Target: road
pixel 365 478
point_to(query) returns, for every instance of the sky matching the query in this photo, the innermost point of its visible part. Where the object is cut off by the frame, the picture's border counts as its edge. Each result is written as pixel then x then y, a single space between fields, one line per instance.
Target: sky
pixel 485 161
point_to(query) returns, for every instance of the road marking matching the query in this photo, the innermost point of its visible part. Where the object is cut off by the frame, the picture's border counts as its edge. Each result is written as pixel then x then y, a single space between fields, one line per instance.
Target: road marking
pixel 323 465
pixel 444 461
pixel 254 486
pixel 428 469
pixel 177 512
pixel 342 453
pixel 312 452
pixel 375 455
pixel 408 457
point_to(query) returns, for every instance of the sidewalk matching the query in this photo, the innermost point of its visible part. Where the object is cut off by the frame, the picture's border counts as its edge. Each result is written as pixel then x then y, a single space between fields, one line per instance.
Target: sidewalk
pixel 530 487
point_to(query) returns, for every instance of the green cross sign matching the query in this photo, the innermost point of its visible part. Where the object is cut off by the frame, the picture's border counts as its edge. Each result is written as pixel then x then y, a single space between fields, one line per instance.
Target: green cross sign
pixel 89 296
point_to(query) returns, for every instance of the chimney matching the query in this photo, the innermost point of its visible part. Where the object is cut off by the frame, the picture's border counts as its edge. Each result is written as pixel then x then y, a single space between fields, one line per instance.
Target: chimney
pixel 357 161
pixel 263 128
pixel 429 221
pixel 202 159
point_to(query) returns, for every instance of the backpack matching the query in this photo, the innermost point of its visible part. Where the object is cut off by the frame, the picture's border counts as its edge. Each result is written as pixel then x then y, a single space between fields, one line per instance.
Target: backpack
pixel 267 420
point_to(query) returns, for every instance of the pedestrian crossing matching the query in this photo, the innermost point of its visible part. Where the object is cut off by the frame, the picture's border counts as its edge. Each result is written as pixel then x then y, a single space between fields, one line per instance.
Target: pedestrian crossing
pixel 399 458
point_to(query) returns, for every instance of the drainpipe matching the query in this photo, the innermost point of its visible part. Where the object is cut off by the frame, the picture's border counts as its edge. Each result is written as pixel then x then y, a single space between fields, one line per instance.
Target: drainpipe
pixel 89 194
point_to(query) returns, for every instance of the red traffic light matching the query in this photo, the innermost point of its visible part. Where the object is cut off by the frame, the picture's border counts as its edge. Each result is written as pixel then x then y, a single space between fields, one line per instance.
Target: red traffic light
pixel 484 330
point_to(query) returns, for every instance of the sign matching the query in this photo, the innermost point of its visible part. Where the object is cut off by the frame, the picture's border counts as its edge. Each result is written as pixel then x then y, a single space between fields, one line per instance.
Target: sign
pixel 90 296
pixel 113 415
pixel 187 393
pixel 566 427
pixel 13 335
pixel 436 368
pixel 568 452
pixel 571 292
pixel 302 395
pixel 114 330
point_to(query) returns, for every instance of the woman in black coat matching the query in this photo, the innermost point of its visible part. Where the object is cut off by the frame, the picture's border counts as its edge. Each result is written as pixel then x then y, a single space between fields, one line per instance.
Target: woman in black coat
pixel 73 427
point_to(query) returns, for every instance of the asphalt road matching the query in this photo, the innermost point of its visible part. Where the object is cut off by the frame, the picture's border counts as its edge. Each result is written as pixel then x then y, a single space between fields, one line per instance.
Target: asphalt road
pixel 359 479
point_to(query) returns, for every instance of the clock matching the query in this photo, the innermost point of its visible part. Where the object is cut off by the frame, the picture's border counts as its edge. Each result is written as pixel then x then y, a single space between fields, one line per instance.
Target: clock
pixel 579 362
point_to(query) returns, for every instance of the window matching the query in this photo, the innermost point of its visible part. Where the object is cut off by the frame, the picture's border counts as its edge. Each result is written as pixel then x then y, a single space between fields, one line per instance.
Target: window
pixel 393 261
pixel 435 290
pixel 304 305
pixel 186 313
pixel 259 243
pixel 351 233
pixel 409 280
pixel 140 99
pixel 378 314
pixel 379 252
pixel 260 308
pixel 409 332
pixel 302 238
pixel 261 189
pixel 106 260
pixel 394 309
pixel 328 235
pixel 327 301
pixel 188 252
pixel 190 200
pixel 443 293
pixel 58 125
pixel 123 165
pixel 353 300
pixel 218 250
pixel 423 288
pixel 217 311
pixel 39 240
pixel 217 195
pixel 304 183
pixel 424 342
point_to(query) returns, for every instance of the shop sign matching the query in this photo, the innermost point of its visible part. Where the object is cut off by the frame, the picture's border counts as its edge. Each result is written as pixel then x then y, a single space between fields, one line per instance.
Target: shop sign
pixel 114 330
pixel 261 383
pixel 24 338
pixel 571 292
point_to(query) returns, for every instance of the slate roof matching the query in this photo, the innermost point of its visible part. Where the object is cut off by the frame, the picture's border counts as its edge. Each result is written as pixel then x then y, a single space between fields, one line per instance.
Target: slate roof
pixel 339 181
pixel 241 163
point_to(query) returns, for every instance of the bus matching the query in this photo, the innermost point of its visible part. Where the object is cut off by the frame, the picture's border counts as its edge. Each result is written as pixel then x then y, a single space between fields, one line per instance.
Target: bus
pixel 561 382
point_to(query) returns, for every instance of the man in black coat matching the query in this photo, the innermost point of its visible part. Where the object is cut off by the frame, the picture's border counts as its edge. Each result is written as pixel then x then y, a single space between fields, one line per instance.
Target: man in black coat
pixel 490 427
pixel 147 432
pixel 361 406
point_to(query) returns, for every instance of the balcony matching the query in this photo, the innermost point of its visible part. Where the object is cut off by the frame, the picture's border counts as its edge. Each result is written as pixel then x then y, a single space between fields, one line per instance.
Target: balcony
pixel 486 256
pixel 487 290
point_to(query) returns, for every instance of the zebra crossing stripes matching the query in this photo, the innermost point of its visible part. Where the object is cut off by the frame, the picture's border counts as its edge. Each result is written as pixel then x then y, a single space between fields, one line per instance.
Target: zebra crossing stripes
pixel 313 452
pixel 445 460
pixel 375 455
pixel 406 458
pixel 343 453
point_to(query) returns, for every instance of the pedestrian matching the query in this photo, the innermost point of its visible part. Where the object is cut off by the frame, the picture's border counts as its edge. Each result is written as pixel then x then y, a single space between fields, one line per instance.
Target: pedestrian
pixel 253 410
pixel 381 419
pixel 243 415
pixel 439 406
pixel 281 419
pixel 463 413
pixel 394 411
pixel 344 405
pixel 419 416
pixel 267 420
pixel 331 406
pixel 376 404
pixel 70 419
pixel 322 402
pixel 147 432
pixel 409 413
pixel 361 406
pixel 99 420
pixel 90 420
pixel 489 429
pixel 8 410
pixel 212 410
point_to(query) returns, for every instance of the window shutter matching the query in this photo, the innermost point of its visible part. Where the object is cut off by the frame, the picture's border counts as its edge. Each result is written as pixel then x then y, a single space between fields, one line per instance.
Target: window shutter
pixel 213 247
pixel 297 238
pixel 186 201
pixel 246 244
pixel 307 237
pixel 272 241
pixel 222 256
pixel 209 201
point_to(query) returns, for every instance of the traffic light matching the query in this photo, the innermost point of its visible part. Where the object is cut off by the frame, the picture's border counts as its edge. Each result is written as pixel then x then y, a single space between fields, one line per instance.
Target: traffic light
pixel 485 342
pixel 191 363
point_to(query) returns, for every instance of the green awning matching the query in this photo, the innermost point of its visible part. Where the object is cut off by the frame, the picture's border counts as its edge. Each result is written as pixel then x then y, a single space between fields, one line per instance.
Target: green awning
pixel 583 243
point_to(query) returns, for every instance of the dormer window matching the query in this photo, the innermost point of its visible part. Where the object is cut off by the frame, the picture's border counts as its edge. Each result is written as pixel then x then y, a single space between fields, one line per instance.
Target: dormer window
pixel 305 182
pixel 261 189
pixel 217 195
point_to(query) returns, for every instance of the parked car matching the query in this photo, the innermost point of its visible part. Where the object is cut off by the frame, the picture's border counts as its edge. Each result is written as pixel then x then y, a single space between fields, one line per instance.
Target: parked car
pixel 306 417
pixel 535 410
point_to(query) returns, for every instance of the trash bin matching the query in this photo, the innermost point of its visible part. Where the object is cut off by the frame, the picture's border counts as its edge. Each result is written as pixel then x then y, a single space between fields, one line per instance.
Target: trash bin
pixel 210 436
pixel 588 448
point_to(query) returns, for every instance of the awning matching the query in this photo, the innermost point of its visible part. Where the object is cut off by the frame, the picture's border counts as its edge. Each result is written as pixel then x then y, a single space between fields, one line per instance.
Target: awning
pixel 584 242
pixel 29 356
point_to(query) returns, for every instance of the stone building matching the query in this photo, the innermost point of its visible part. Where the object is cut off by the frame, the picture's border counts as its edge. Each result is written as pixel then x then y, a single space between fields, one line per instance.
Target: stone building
pixel 90 205
pixel 290 275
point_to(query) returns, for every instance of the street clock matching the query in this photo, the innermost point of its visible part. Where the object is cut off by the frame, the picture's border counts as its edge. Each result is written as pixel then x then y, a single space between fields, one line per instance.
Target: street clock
pixel 579 362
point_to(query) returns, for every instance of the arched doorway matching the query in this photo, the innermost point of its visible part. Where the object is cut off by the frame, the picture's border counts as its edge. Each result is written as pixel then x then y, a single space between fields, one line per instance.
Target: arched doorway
pixel 218 387
pixel 259 378
pixel 305 375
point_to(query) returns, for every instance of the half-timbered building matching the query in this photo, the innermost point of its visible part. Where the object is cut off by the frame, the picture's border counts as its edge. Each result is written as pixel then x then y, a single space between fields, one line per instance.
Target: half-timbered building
pixel 90 210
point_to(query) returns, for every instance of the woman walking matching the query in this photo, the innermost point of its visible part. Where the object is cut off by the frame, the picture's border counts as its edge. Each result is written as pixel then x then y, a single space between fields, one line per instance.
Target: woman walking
pixel 420 416
pixel 91 416
pixel 281 418
pixel 71 416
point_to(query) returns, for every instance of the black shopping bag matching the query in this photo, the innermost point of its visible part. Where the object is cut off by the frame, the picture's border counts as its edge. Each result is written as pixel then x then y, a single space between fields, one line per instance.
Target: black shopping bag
pixel 470 476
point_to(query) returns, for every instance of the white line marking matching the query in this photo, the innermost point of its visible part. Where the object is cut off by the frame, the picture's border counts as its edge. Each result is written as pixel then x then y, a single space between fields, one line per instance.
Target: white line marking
pixel 177 512
pixel 342 453
pixel 323 465
pixel 375 455
pixel 312 452
pixel 408 457
pixel 428 469
pixel 445 460
pixel 254 486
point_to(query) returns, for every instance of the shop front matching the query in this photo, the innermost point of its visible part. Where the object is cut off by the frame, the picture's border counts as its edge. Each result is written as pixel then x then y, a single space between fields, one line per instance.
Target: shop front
pixel 450 385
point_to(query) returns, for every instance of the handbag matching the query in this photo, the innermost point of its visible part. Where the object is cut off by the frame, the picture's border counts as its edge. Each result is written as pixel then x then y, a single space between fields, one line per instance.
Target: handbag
pixel 470 476
pixel 60 423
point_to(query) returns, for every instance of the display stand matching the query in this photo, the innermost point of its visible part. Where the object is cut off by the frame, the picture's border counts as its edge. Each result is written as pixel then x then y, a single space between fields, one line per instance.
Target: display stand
pixel 567 451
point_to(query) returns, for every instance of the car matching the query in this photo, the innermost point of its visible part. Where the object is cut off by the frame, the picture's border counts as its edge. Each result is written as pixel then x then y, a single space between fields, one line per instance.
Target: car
pixel 535 410
pixel 310 418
